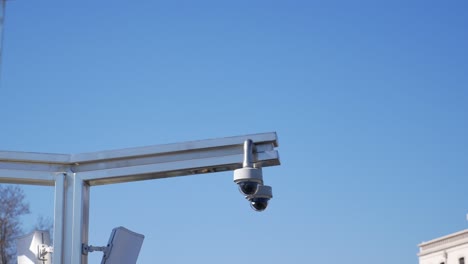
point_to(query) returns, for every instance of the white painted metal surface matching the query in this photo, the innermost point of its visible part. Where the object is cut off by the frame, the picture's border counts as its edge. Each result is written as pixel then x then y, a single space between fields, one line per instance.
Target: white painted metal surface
pixel 73 175
pixel 30 246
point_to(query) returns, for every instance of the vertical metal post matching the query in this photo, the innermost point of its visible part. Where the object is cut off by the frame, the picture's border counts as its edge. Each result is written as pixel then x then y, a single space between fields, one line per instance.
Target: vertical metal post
pixel 74 220
pixel 84 225
pixel 248 153
pixel 60 185
pixel 80 216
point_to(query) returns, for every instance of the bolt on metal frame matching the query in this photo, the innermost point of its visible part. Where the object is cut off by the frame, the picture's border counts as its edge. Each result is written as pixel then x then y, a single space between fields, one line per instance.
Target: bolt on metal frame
pixel 74 174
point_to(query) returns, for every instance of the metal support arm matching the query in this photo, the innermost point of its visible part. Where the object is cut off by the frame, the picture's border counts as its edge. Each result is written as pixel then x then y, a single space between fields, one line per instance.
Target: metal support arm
pixel 89 248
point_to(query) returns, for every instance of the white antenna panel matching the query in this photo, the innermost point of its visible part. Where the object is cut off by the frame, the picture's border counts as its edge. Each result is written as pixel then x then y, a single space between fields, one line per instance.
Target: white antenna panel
pixel 29 248
pixel 124 247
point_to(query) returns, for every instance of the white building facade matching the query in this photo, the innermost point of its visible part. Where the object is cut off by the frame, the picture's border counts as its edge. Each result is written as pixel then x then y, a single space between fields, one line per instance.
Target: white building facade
pixel 450 249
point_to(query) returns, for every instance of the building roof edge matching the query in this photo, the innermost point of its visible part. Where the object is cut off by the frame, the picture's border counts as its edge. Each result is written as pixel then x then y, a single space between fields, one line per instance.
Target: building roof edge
pixel 453 235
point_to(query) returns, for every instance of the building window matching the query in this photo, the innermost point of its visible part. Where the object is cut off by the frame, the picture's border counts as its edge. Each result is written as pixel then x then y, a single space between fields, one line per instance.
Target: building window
pixel 442 263
pixel 461 261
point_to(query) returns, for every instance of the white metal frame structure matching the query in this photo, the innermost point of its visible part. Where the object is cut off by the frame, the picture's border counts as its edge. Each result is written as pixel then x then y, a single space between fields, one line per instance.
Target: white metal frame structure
pixel 73 175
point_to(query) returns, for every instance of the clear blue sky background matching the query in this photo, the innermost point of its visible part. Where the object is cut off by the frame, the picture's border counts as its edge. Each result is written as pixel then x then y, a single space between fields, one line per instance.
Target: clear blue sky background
pixel 369 100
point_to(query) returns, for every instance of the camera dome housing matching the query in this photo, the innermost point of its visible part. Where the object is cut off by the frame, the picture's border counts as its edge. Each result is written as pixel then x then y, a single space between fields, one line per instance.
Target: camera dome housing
pixel 248 187
pixel 259 200
pixel 259 204
pixel 248 179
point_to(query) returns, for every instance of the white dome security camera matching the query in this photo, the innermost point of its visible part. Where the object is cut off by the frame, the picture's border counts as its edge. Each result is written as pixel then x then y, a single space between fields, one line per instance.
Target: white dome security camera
pixel 259 200
pixel 250 181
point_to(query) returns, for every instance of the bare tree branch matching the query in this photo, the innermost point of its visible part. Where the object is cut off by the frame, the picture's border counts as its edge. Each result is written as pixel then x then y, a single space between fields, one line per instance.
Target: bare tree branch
pixel 12 206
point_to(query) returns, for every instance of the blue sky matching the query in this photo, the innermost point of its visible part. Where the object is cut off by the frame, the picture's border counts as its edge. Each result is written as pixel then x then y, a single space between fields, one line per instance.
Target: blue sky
pixel 369 100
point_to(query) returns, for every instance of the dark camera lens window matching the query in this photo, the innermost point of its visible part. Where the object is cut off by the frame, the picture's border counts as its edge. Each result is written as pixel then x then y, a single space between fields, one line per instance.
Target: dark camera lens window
pixel 461 261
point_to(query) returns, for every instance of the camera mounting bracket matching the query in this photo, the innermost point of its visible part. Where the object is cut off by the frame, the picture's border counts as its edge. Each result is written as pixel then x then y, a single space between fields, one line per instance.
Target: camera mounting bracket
pixel 85 249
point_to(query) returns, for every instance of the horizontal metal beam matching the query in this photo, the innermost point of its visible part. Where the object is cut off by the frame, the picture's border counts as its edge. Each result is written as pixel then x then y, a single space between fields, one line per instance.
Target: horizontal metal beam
pixel 27 177
pixel 220 143
pixel 34 157
pixel 142 163
pixel 175 168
